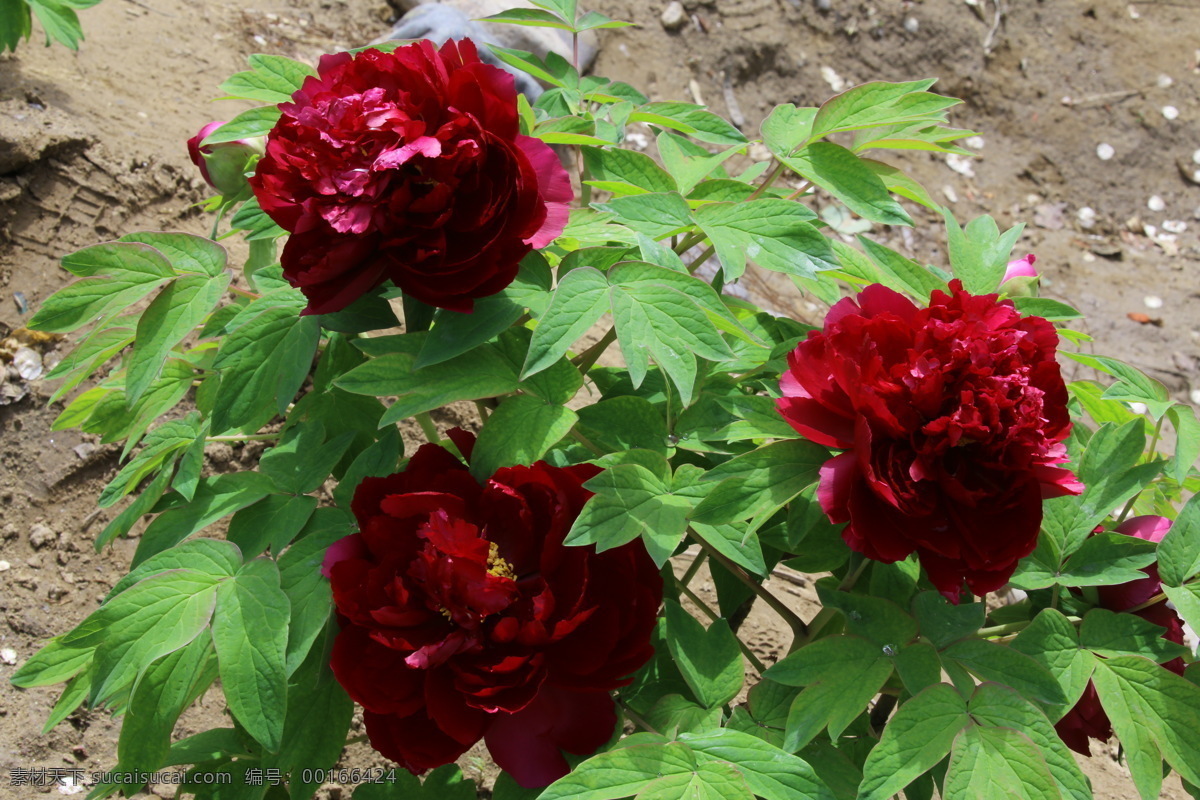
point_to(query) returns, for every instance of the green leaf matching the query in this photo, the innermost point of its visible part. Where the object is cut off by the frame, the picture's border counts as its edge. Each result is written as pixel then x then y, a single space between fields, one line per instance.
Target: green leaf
pixel 169 686
pixel 187 252
pixel 630 501
pixel 674 713
pixel 246 125
pixel 710 660
pixel 998 707
pixel 842 674
pixel 529 16
pixel 250 635
pixel 60 22
pixel 1109 633
pixel 629 171
pixel 271 522
pixel 258 226
pixel 307 589
pixel 220 559
pixel 72 697
pixel 271 79
pixel 315 724
pixel 918 666
pixel 375 461
pixel 787 127
pixel 263 363
pixel 687 166
pixel 919 736
pixel 92 351
pixel 115 420
pixel 1133 384
pixel 760 482
pixel 303 459
pixel 455 333
pixel 156 616
pixel 15 24
pixel 874 618
pixel 985 759
pixel 897 182
pixel 1107 559
pixel 876 103
pixel 179 308
pixel 1136 692
pixel 843 174
pixel 712 780
pixel 527 62
pixel 656 214
pixel 624 423
pixel 115 276
pixel 482 372
pixel 1187 440
pixel 216 497
pixel 621 772
pixel 54 663
pixel 690 119
pixel 578 301
pixel 1045 308
pixel 161 447
pixel 771 773
pixel 943 623
pixel 129 516
pixel 1006 666
pixel 1052 641
pixel 1179 550
pixel 775 234
pixel 979 254
pixel 905 274
pixel 520 431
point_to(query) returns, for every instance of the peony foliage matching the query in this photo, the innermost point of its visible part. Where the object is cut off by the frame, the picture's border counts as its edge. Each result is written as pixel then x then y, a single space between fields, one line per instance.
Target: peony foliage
pixel 1005 559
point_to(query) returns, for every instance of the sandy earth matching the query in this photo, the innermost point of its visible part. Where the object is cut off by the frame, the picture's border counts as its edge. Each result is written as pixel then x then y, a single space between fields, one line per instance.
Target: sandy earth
pixel 91 147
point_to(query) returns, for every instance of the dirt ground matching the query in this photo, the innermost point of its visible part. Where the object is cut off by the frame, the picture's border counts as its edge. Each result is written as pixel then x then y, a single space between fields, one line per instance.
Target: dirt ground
pixel 92 147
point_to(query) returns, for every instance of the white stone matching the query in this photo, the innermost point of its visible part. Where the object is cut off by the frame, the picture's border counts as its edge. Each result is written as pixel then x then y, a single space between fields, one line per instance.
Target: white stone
pixel 974 142
pixel 674 16
pixel 1086 216
pixel 1156 203
pixel 960 164
pixel 1153 301
pixel 1195 395
pixel 28 363
pixel 1164 81
pixel 8 656
pixel 5 566
pixel 1105 151
pixel 1170 112
pixel 1174 225
pixel 1196 157
pixel 912 25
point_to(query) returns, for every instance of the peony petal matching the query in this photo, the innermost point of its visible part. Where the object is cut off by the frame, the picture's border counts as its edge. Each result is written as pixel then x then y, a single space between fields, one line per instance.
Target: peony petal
pixel 554 186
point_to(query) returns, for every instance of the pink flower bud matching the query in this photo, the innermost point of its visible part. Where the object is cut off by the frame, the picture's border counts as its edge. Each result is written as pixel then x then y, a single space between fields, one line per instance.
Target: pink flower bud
pixel 1020 279
pixel 224 165
pixel 1021 268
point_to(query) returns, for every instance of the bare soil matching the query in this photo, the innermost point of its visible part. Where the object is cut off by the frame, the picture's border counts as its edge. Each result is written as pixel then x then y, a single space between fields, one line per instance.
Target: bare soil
pixel 92 147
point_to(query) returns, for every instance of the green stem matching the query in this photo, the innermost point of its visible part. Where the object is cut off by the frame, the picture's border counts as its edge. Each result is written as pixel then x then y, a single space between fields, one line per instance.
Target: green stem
pixel 483 410
pixel 1013 627
pixel 1158 598
pixel 798 626
pixel 587 359
pixel 244 293
pixel 583 440
pixel 700 259
pixel 827 613
pixel 772 176
pixel 689 241
pixel 253 437
pixel 635 717
pixel 428 427
pixel 687 592
pixel 694 567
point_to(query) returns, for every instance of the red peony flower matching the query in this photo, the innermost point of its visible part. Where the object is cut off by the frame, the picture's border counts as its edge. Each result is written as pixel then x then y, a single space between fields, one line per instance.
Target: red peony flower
pixel 463 615
pixel 1087 718
pixel 952 418
pixel 408 166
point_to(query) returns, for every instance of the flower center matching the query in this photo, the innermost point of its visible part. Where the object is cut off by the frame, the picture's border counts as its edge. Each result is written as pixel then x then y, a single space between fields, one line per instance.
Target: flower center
pixel 498 566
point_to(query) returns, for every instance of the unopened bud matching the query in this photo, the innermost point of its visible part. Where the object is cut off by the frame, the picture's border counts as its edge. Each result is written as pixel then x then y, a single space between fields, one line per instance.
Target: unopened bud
pixel 224 164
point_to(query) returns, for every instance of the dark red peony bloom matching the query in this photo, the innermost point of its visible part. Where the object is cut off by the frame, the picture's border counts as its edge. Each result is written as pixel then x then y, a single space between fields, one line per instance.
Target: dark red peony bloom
pixel 464 616
pixel 952 418
pixel 408 166
pixel 1087 718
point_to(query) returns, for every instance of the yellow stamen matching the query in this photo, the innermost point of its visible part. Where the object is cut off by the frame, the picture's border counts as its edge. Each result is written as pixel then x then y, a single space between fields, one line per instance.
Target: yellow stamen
pixel 498 566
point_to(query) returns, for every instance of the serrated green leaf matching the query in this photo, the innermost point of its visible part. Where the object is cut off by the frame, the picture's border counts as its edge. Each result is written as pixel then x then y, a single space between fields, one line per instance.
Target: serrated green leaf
pixel 841 173
pixel 709 659
pixel 271 79
pixel 775 234
pixel 918 666
pixel 1052 641
pixel 621 772
pixel 911 277
pixel 985 759
pixel 54 663
pixel 115 276
pixel 874 618
pixel 179 308
pixel 272 522
pixel 578 301
pixel 941 622
pixel 876 103
pixel 520 431
pixel 1109 633
pixel 1179 550
pixel 161 447
pixel 995 662
pixel 760 482
pixel 250 636
pixel 919 736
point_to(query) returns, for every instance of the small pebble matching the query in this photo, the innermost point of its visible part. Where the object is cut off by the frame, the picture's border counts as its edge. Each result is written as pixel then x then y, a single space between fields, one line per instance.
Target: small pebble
pixel 673 16
pixel 1195 395
pixel 1086 216
pixel 1174 225
pixel 5 566
pixel 1196 157
pixel 1138 408
pixel 1105 151
pixel 1153 301
pixel 1164 81
pixel 960 164
pixel 912 25
pixel 8 656
pixel 28 363
pixel 1133 13
pixel 824 5
pixel 951 195
pixel 1156 203
pixel 40 536
pixel 1170 112
pixel 974 142
pixel 835 81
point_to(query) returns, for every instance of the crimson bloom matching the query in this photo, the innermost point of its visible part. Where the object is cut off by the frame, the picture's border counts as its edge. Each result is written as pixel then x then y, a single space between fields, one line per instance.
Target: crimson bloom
pixel 1087 718
pixel 952 418
pixel 408 166
pixel 463 616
